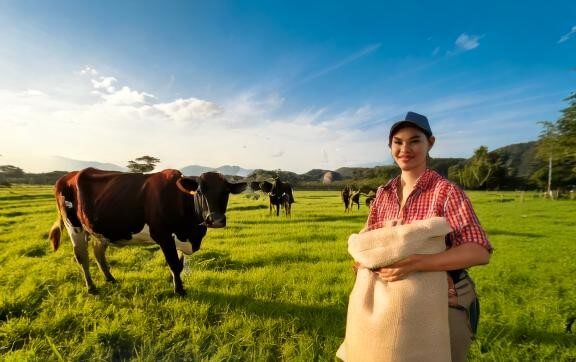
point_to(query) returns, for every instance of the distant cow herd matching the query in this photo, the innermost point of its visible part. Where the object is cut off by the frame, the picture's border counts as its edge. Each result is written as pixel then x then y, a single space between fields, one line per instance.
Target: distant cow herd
pixel 165 208
pixel 351 197
pixel 280 193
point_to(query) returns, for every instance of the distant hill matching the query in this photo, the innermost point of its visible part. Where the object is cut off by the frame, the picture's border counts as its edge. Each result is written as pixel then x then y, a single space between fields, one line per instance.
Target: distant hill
pixel 196 170
pixel 519 159
pixel 441 165
pixel 318 175
pixel 59 163
pixel 350 172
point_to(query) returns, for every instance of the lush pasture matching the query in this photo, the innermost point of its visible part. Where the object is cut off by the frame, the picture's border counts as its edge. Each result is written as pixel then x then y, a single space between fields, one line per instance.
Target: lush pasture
pixel 267 288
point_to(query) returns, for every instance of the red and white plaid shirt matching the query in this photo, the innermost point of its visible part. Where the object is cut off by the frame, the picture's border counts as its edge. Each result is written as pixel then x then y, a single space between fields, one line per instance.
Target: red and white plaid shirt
pixel 433 195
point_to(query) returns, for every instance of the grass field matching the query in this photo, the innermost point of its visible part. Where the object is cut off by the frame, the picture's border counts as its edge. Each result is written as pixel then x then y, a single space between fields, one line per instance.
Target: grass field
pixel 267 288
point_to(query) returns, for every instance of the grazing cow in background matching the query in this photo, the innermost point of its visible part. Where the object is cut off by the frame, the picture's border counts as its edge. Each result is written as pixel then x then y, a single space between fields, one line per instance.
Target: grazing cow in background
pixel 255 186
pixel 286 202
pixel 122 208
pixel 355 199
pixel 281 195
pixel 350 197
pixel 369 200
pixel 370 197
pixel 346 197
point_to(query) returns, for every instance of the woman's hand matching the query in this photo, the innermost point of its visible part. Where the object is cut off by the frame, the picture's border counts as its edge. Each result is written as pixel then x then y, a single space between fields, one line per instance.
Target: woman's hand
pixel 400 269
pixel 459 257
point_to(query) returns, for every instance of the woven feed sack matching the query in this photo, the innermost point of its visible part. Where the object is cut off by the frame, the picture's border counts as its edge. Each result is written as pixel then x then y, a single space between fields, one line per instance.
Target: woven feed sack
pixel 405 320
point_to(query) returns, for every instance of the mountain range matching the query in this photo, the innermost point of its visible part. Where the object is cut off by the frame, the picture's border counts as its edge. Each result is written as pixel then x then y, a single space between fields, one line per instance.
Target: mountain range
pixel 518 158
pixel 196 170
pixel 58 163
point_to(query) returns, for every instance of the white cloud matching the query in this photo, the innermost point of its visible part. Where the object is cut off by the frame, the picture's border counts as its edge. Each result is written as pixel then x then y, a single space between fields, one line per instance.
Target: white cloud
pixel 33 93
pixel 88 70
pixel 126 96
pixel 104 83
pixel 188 110
pixel 568 35
pixel 467 42
pixel 250 103
pixel 126 123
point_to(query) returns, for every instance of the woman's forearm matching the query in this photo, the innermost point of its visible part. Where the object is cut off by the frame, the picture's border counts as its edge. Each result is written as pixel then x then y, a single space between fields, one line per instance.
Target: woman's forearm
pixel 459 257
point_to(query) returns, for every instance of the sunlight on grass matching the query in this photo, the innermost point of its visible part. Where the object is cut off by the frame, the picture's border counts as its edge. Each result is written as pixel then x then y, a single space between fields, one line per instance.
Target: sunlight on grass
pixel 266 287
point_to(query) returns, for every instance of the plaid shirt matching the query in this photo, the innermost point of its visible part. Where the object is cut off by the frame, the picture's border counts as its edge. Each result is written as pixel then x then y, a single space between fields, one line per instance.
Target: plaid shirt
pixel 433 195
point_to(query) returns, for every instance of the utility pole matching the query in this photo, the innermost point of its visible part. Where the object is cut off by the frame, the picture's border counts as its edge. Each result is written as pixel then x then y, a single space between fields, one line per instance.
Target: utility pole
pixel 550 177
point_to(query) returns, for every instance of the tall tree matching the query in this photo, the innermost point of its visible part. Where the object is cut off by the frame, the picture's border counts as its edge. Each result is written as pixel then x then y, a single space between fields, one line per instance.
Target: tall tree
pixel 11 171
pixel 143 164
pixel 557 144
pixel 566 126
pixel 475 173
pixel 548 145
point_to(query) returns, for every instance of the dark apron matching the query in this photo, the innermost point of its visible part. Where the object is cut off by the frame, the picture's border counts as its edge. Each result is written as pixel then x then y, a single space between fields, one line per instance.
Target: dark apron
pixel 467 299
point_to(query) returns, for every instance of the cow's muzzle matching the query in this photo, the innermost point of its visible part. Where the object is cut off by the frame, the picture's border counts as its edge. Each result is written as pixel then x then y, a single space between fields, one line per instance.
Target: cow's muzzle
pixel 215 220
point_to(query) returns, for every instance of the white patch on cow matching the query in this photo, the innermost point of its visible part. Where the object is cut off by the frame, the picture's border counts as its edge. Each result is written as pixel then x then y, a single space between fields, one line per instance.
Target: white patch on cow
pixel 144 238
pixel 77 236
pixel 141 238
pixel 185 247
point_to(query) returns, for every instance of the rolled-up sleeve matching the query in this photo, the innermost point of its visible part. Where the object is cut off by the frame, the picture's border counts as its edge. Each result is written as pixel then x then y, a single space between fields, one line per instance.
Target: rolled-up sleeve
pixel 465 225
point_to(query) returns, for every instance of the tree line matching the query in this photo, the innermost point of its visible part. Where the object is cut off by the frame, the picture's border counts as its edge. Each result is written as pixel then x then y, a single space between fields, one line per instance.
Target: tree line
pixel 553 158
pixel 10 174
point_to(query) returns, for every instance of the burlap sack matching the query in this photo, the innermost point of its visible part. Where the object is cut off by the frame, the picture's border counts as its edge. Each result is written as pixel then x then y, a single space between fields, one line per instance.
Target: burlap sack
pixel 405 320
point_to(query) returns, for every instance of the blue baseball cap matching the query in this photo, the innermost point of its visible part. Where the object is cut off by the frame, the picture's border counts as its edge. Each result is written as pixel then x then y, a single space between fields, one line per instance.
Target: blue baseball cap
pixel 411 119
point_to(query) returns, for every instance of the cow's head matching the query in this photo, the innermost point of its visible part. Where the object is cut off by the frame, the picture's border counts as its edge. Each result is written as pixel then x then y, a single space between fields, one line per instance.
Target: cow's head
pixel 276 190
pixel 210 192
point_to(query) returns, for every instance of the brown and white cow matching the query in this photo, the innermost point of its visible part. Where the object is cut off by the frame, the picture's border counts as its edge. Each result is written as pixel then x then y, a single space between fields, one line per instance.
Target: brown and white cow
pixel 119 208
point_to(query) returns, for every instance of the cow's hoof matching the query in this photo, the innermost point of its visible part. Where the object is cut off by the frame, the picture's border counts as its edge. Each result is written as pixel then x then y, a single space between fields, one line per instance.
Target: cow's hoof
pixel 111 279
pixel 180 291
pixel 92 290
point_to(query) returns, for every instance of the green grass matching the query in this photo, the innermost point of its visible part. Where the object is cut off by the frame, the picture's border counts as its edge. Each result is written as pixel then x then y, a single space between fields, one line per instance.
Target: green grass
pixel 266 288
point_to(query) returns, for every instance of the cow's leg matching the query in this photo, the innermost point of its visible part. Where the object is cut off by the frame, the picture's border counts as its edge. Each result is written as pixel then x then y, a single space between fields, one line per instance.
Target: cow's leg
pixel 79 239
pixel 99 246
pixel 174 262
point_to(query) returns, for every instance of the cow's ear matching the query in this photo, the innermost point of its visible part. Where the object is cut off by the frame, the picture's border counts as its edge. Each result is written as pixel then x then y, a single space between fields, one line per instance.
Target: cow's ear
pixel 266 186
pixel 236 188
pixel 188 185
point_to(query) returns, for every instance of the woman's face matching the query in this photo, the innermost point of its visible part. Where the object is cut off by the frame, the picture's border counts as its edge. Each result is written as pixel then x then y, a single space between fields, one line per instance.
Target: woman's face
pixel 410 147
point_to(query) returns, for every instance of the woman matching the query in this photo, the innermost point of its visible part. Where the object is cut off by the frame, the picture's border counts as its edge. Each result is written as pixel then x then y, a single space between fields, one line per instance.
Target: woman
pixel 419 193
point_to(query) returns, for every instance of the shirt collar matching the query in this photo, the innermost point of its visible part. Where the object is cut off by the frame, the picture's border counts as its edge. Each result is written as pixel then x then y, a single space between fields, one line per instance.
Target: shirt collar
pixel 423 182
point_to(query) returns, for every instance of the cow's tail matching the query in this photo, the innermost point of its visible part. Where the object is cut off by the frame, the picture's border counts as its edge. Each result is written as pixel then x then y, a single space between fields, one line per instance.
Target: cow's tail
pixel 56 231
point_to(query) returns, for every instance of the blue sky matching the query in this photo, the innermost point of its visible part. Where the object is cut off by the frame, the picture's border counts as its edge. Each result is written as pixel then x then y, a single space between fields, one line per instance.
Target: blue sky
pixel 277 85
